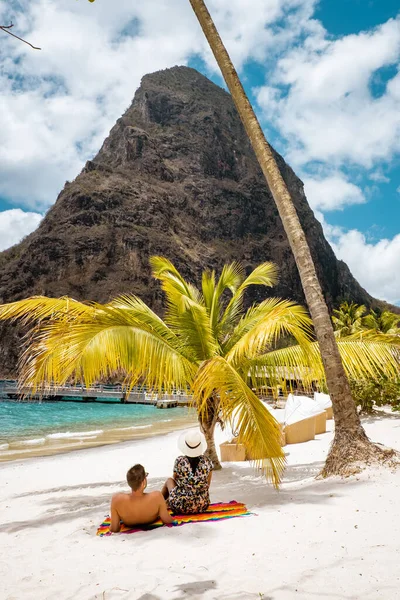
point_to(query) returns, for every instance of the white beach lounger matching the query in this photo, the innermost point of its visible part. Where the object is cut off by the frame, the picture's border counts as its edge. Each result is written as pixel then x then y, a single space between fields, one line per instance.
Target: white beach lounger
pixel 303 419
pixel 325 402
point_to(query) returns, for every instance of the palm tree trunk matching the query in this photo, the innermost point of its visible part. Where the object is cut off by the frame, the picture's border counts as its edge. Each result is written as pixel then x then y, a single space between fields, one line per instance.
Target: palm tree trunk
pixel 350 442
pixel 208 422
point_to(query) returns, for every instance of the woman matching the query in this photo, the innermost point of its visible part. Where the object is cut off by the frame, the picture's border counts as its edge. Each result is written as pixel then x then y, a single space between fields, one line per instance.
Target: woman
pixel 188 491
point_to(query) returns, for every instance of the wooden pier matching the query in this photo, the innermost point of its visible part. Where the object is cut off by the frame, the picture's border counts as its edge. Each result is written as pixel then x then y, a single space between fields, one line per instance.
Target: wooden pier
pixel 96 393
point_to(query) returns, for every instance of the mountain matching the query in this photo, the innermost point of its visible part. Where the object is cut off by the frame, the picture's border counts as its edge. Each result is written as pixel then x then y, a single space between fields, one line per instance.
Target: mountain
pixel 176 176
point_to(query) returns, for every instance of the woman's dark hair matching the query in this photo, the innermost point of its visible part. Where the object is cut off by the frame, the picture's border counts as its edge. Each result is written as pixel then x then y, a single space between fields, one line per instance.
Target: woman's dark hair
pixel 194 462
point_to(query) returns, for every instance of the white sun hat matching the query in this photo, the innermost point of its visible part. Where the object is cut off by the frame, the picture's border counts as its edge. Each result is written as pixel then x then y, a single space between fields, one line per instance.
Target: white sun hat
pixel 192 443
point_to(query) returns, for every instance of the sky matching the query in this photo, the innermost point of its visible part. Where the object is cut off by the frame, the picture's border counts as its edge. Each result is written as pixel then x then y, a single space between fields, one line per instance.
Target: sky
pixel 323 76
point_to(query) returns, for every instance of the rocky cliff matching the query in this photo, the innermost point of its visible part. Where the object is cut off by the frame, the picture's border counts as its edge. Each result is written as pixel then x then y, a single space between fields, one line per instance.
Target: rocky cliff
pixel 177 177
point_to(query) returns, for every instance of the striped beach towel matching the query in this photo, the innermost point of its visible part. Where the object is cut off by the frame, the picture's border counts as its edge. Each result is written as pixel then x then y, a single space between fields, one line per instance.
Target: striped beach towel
pixel 215 512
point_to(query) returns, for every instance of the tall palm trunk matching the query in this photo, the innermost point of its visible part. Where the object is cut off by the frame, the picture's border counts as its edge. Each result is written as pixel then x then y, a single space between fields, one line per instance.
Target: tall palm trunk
pixel 350 443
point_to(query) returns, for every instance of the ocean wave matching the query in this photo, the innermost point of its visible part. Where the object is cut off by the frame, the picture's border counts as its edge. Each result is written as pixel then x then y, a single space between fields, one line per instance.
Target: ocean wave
pixel 4 446
pixel 34 442
pixel 73 434
pixel 133 427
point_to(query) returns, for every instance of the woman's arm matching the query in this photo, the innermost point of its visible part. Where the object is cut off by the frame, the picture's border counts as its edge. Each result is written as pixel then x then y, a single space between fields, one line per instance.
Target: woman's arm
pixel 163 512
pixel 175 474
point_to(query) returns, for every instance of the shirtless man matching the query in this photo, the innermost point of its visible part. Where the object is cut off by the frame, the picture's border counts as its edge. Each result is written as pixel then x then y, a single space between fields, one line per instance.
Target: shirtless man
pixel 138 508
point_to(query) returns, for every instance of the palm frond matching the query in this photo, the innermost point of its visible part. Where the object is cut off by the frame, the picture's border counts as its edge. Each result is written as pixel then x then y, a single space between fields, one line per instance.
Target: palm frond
pixel 186 312
pixel 263 325
pixel 208 289
pixel 256 427
pixel 131 310
pixel 382 321
pixel 232 276
pixel 361 360
pixel 373 335
pixel 95 350
pixel 300 363
pixel 348 318
pixel 172 282
pixel 190 322
pixel 37 308
pixel 265 274
pixel 364 359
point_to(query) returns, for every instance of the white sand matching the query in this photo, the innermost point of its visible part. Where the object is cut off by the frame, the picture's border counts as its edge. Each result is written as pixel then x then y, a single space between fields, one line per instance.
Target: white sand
pixel 313 540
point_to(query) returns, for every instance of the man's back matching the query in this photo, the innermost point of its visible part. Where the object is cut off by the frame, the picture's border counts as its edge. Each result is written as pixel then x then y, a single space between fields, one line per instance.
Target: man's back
pixel 134 509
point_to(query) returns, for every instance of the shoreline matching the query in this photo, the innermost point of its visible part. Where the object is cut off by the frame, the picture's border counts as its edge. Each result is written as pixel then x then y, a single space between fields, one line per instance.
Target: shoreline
pixel 65 442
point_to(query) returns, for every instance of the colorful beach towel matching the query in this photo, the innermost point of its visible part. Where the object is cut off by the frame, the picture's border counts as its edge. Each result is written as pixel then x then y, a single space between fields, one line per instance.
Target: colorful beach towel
pixel 215 512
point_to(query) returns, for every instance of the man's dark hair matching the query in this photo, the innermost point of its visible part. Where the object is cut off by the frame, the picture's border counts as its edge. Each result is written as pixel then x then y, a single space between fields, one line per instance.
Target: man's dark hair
pixel 135 477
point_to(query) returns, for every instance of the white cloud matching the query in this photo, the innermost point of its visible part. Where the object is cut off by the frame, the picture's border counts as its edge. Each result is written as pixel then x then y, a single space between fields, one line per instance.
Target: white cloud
pixel 322 98
pixel 57 105
pixel 323 103
pixel 259 30
pixel 376 266
pixel 15 224
pixel 332 193
pixel 38 149
pixel 379 177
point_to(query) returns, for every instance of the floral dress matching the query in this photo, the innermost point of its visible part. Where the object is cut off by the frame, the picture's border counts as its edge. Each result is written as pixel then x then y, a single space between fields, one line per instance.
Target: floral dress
pixel 191 492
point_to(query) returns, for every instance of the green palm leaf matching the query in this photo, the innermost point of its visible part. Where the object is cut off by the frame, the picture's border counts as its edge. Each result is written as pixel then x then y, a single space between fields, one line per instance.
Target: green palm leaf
pixel 265 274
pixel 96 350
pixel 172 282
pixel 256 427
pixel 263 325
pixel 361 359
pixel 186 312
pixel 348 319
pixel 37 308
pixel 231 278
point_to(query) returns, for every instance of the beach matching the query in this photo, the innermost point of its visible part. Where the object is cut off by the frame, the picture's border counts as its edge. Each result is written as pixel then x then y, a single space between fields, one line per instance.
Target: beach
pixel 335 538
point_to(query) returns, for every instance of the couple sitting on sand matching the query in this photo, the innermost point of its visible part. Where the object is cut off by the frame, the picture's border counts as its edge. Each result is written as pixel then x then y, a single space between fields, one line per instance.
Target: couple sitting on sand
pixel 186 493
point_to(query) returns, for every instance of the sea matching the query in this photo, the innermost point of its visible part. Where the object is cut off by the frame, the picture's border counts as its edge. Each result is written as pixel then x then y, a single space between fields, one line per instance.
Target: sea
pixel 33 428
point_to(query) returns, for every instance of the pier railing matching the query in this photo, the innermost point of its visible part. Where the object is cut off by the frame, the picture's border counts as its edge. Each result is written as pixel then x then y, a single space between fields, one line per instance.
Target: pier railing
pixel 138 395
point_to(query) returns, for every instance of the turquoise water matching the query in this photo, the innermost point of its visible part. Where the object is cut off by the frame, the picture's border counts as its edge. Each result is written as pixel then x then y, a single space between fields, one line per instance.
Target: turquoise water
pixel 35 424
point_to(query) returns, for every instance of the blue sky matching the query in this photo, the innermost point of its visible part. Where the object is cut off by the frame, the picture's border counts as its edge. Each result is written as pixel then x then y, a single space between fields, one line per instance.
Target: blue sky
pixel 380 216
pixel 343 17
pixel 323 76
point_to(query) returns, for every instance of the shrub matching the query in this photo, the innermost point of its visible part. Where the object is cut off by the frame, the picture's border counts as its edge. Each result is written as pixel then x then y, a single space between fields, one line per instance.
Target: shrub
pixel 370 393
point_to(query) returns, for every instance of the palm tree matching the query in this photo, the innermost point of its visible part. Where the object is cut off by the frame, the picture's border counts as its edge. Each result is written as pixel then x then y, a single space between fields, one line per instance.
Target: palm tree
pixel 206 344
pixel 381 322
pixel 350 442
pixel 347 319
